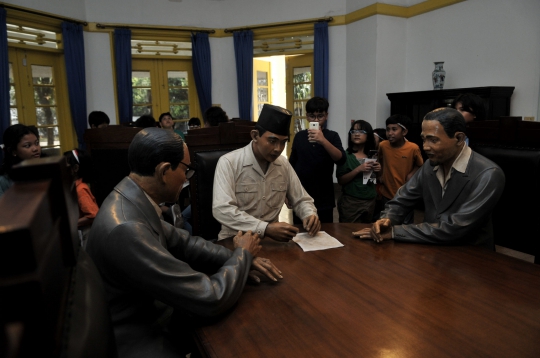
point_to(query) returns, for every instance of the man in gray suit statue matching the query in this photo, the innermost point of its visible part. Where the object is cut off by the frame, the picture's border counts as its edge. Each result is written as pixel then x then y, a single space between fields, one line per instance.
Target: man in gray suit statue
pixel 459 188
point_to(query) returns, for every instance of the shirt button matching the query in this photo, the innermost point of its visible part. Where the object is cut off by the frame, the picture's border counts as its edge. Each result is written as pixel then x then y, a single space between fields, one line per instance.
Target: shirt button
pixel 264 197
pixel 258 231
pixel 246 189
pixel 264 180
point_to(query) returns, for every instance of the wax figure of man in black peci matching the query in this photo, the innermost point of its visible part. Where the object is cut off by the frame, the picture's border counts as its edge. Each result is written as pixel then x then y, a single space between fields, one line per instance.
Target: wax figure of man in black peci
pixel 251 184
pixel 459 188
pixel 151 269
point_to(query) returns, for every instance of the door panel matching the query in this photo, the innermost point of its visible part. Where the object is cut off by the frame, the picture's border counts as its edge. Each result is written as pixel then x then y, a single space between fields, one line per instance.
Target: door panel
pixel 38 96
pixel 299 91
pixel 262 86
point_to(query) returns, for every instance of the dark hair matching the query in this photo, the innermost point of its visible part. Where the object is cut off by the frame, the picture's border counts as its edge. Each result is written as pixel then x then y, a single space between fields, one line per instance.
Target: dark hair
pixel 84 162
pixel 370 142
pixel 145 121
pixel 12 136
pixel 96 118
pixel 164 114
pixel 194 121
pixel 472 104
pixel 381 132
pixel 215 115
pixel 450 119
pixel 260 129
pixel 317 104
pixel 152 146
pixel 399 119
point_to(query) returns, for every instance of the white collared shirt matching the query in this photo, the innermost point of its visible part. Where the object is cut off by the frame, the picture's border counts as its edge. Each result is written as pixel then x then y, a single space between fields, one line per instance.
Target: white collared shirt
pixel 460 165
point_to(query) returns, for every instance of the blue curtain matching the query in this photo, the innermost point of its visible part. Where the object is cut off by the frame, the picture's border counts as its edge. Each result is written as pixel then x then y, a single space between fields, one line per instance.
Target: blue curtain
pixel 202 68
pixel 76 78
pixel 320 59
pixel 4 76
pixel 243 51
pixel 122 59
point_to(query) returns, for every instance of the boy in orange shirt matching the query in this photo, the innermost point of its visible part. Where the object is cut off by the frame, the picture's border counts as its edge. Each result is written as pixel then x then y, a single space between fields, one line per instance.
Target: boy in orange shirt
pixel 399 159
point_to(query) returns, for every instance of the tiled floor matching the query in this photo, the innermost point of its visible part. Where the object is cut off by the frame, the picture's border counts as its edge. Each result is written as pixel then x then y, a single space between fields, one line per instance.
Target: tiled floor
pixel 286 216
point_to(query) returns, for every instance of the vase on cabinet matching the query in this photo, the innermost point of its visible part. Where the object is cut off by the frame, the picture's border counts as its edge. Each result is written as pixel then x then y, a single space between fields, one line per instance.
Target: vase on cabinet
pixel 438 76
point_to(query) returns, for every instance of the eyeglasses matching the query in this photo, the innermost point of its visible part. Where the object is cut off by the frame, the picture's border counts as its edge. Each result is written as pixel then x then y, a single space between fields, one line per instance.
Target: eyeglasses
pixel 319 116
pixel 357 131
pixel 189 171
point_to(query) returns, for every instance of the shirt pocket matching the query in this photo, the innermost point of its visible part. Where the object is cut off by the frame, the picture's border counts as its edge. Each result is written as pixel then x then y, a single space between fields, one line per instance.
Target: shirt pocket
pixel 276 196
pixel 247 195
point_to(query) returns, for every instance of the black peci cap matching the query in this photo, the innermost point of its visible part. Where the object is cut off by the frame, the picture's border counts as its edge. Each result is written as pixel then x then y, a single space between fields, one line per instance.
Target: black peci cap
pixel 275 119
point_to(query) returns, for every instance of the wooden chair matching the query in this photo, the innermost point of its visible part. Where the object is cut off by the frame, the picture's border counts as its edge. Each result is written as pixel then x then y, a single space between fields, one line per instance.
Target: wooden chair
pixel 515 146
pixel 206 146
pixel 52 301
pixel 109 150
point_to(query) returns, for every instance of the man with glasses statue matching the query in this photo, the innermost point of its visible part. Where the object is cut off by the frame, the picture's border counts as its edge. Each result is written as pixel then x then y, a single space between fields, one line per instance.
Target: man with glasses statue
pixel 314 153
pixel 151 269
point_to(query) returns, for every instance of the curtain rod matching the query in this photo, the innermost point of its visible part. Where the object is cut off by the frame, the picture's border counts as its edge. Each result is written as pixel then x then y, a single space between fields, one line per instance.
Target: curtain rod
pixel 102 26
pixel 43 14
pixel 324 19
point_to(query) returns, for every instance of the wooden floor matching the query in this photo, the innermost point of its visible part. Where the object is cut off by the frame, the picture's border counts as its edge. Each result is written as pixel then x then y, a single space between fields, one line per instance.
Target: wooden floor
pixel 286 216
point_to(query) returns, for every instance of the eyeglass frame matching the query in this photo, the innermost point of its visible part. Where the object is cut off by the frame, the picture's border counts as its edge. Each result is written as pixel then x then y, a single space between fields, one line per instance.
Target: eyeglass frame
pixel 357 131
pixel 318 117
pixel 190 171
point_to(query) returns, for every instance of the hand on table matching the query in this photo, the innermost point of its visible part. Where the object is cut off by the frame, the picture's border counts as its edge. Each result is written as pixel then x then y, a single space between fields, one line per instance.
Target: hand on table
pixel 381 230
pixel 248 241
pixel 312 225
pixel 266 267
pixel 280 231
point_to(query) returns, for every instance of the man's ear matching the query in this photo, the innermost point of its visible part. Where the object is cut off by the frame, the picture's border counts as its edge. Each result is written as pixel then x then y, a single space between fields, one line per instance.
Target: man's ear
pixel 161 171
pixel 254 135
pixel 460 136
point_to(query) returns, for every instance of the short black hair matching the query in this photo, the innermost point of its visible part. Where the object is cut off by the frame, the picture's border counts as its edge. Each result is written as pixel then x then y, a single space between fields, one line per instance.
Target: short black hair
pixel 12 136
pixel 370 142
pixel 83 160
pixel 194 121
pixel 152 146
pixel 472 104
pixel 145 121
pixel 399 119
pixel 317 104
pixel 450 119
pixel 96 118
pixel 215 115
pixel 164 114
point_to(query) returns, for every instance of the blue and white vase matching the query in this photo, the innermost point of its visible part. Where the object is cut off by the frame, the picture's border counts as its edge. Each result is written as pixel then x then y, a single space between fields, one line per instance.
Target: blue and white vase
pixel 438 76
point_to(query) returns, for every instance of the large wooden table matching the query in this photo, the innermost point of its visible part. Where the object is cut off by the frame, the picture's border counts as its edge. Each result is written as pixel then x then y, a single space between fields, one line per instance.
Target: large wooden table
pixel 383 300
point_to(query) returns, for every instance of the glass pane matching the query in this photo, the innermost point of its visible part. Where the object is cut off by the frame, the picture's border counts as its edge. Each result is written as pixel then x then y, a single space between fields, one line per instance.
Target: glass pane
pixel 11 80
pixel 299 125
pixel 142 95
pixel 301 74
pixel 140 78
pixel 177 78
pixel 259 109
pixel 299 109
pixel 182 126
pixel 42 75
pixel 46 116
pixel 48 136
pixel 141 110
pixel 302 91
pixel 180 112
pixel 178 95
pixel 12 100
pixel 262 78
pixel 44 95
pixel 262 94
pixel 14 115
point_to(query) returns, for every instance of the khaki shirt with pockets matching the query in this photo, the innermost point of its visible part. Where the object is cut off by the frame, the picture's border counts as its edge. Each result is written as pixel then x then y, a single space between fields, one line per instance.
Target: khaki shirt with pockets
pixel 247 199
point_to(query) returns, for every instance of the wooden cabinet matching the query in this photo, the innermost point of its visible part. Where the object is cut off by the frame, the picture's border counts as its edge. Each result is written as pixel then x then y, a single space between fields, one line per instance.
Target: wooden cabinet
pixel 417 104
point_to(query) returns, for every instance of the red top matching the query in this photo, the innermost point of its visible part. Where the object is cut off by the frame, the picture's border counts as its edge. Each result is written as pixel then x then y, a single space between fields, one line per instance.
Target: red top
pixel 87 203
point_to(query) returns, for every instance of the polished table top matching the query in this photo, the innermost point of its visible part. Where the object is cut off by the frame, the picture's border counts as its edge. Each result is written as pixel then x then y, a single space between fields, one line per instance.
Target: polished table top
pixel 383 300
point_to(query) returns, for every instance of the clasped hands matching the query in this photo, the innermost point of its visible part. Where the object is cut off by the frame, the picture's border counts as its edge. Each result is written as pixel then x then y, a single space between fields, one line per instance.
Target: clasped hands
pixel 252 243
pixel 379 231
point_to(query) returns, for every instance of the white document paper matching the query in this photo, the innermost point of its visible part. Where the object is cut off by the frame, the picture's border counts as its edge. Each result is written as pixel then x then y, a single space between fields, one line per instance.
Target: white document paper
pixel 370 175
pixel 321 241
